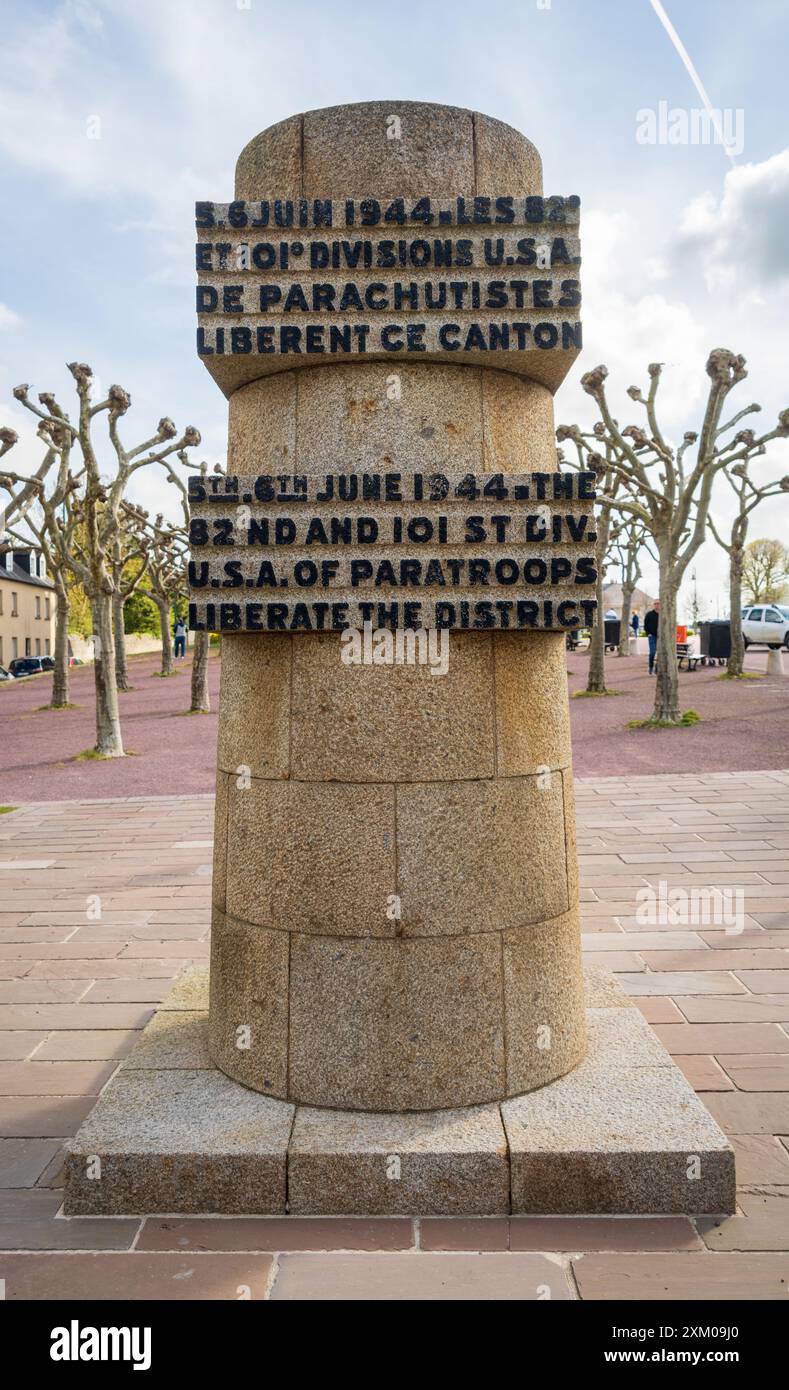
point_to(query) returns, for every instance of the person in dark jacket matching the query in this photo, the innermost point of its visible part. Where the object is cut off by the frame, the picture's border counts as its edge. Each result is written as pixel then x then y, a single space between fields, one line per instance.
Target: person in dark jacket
pixel 651 624
pixel 634 623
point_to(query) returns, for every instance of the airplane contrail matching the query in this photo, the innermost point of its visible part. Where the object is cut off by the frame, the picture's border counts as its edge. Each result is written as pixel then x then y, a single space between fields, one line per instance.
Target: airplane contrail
pixel 692 73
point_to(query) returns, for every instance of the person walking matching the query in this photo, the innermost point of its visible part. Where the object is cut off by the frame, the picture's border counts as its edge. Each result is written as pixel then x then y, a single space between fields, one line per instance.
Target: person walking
pixel 651 624
pixel 634 624
pixel 180 638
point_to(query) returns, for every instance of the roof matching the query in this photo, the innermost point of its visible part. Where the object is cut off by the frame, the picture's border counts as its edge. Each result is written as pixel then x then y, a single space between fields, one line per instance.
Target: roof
pixel 16 575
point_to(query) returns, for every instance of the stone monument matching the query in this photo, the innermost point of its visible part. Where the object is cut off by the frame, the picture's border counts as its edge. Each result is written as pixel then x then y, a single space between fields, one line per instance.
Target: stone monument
pixel 397 1018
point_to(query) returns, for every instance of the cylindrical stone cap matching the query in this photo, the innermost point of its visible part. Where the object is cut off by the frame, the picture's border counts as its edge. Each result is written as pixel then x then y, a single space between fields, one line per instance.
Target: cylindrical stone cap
pixel 394 149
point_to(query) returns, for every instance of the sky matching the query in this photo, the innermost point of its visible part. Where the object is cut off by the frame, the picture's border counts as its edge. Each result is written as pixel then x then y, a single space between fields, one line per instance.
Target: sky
pixel 116 115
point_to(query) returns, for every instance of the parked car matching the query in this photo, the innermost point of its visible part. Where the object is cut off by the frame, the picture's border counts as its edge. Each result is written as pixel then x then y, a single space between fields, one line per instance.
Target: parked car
pixel 48 663
pixel 27 666
pixel 766 624
pixel 5 675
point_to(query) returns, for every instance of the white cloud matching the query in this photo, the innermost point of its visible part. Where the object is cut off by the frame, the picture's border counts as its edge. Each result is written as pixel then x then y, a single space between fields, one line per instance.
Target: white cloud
pixel 8 318
pixel 742 235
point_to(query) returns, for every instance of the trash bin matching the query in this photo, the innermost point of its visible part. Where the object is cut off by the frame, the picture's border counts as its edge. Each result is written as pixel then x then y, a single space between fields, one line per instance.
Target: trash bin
pixel 682 634
pixel 612 629
pixel 716 639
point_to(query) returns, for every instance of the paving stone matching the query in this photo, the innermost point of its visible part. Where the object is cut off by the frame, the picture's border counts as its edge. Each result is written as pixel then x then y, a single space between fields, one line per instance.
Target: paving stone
pixel 704 1073
pixel 37 991
pixel 22 1161
pixel 423 1276
pixel 759 1071
pixel 754 1113
pixel 146 991
pixel 15 1046
pixel 558 1233
pixel 764 981
pixel 130 1277
pixel 465 1233
pixel 53 1233
pixel 98 969
pixel 739 960
pixel 722 1039
pixel 42 1116
pixel 693 1277
pixel 74 1015
pixel 659 1010
pixel 767 1008
pixel 763 1225
pixel 278 1233
pixel 574 1233
pixel 679 982
pixel 53 1078
pixel 91 1045
pixel 760 1159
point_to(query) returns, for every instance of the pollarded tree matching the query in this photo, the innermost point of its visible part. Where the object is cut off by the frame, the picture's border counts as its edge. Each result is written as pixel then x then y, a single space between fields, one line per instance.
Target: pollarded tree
pixel 748 494
pixel 129 559
pixel 628 541
pixel 669 489
pixel 200 702
pixel 167 577
pixel 765 571
pixel 97 511
pixel 40 509
pixel 607 486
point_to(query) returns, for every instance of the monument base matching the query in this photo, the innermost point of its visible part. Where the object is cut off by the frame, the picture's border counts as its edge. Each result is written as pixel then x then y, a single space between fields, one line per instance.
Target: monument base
pixel 624 1133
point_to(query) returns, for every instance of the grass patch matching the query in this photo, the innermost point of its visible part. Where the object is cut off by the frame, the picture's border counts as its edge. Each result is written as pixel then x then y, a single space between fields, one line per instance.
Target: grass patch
pixel 746 676
pixel 685 721
pixel 40 708
pixel 593 694
pixel 164 675
pixel 5 809
pixel 185 713
pixel 91 755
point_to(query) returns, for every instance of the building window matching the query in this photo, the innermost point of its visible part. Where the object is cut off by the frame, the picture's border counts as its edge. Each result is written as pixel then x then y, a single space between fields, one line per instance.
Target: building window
pixel 46 647
pixel 38 646
pixel 28 650
pixel 46 608
pixel 14 609
pixel 38 605
pixel 1 604
pixel 14 648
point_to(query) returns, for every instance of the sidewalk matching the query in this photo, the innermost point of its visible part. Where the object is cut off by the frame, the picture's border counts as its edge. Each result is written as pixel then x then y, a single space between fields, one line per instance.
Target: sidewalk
pixel 75 987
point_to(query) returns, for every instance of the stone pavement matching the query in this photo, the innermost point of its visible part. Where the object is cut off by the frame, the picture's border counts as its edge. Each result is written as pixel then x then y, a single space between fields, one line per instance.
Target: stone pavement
pixel 102 903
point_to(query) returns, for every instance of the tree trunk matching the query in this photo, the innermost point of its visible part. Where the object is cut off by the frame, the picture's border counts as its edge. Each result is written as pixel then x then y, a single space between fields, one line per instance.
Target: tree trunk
pixel 736 660
pixel 108 725
pixel 667 679
pixel 168 665
pixel 201 702
pixel 596 680
pixel 625 630
pixel 60 674
pixel 121 669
